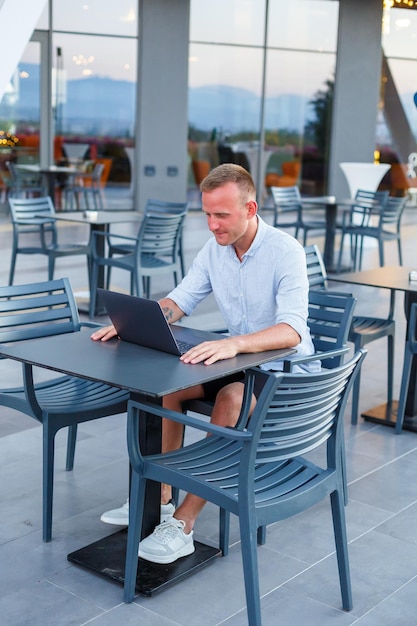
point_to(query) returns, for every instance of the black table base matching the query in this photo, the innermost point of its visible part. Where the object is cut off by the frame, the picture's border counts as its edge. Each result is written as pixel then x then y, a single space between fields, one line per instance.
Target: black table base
pixel 151 577
pixel 386 415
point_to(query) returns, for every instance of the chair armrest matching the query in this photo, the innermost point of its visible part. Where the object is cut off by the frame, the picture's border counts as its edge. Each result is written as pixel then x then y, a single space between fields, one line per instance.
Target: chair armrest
pixel 317 356
pixel 90 325
pixel 27 370
pixel 106 233
pixel 187 420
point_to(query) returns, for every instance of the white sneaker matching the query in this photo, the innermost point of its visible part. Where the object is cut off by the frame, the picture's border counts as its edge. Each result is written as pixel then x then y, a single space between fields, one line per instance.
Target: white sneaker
pixel 120 516
pixel 167 543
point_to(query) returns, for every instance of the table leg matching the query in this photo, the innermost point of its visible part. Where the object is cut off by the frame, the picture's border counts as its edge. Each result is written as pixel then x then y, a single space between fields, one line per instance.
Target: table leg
pixel 107 556
pixel 331 214
pixel 101 248
pixel 386 414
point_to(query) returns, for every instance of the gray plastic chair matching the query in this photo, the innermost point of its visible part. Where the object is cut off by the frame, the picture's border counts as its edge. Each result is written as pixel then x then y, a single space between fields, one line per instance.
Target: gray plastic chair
pixel 288 200
pixel 92 193
pixel 41 310
pixel 410 351
pixel 257 473
pixel 364 328
pixel 115 247
pixel 24 184
pixel 155 252
pixel 33 220
pixel 368 205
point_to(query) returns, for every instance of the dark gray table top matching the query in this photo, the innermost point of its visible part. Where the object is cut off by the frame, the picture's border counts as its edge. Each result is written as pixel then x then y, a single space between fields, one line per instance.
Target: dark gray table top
pixel 126 365
pixel 389 277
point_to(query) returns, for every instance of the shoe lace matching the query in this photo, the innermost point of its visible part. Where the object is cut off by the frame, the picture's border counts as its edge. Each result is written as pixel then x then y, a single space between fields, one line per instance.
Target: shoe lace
pixel 168 530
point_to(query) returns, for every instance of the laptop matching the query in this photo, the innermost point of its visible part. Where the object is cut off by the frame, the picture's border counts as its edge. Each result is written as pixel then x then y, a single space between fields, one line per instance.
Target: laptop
pixel 143 322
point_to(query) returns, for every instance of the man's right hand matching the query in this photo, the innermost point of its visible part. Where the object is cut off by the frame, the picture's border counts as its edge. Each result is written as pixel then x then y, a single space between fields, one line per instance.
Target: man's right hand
pixel 104 334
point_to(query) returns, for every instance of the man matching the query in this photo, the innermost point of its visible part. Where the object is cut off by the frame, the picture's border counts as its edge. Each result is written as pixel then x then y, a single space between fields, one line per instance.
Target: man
pixel 258 276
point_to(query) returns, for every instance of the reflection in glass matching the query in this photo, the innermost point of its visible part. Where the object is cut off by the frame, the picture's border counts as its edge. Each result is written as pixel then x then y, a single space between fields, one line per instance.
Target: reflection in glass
pixel 20 111
pixel 232 21
pixel 299 89
pixel 93 98
pixel 303 25
pixel 224 105
pixel 96 16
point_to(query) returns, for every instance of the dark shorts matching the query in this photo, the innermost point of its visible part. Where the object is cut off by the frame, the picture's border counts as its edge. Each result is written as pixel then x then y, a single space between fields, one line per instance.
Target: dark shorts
pixel 212 388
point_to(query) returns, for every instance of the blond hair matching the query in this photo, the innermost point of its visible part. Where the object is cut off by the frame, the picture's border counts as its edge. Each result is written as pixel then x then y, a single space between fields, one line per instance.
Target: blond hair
pixel 229 173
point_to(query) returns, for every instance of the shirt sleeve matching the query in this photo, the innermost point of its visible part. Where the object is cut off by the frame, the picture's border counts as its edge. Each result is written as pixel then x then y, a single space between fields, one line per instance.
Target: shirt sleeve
pixel 196 284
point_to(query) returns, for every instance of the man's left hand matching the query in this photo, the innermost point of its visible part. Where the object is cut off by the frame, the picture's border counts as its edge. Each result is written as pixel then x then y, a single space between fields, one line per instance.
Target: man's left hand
pixel 211 351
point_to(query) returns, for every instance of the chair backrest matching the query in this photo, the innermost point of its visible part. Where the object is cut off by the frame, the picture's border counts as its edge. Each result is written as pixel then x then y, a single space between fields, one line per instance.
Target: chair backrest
pixel 316 270
pixel 37 310
pixel 329 320
pixel 299 413
pixel 367 203
pixel 29 208
pixel 162 206
pixel 286 197
pixel 392 211
pixel 12 171
pixel 160 233
pixel 96 174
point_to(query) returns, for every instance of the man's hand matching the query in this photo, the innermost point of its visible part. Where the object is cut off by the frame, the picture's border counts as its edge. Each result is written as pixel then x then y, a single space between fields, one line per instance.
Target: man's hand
pixel 211 351
pixel 104 334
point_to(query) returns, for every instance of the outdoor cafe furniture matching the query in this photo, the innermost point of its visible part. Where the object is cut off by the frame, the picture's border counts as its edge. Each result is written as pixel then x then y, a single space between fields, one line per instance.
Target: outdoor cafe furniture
pixel 36 217
pixel 410 350
pixel 98 221
pixel 43 310
pixel 363 330
pixel 288 202
pixel 155 252
pixel 256 471
pixel 145 374
pixel 376 216
pixel 395 278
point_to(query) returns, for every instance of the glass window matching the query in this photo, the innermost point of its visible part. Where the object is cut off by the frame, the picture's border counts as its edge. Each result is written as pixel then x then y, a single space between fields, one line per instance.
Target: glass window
pixel 231 21
pixel 297 85
pixel 96 16
pixel 303 24
pixel 93 98
pixel 224 103
pixel 43 23
pixel 20 110
pixel 400 36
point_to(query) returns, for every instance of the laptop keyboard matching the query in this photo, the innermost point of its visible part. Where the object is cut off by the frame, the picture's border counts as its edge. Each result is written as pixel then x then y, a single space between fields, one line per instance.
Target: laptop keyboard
pixel 184 346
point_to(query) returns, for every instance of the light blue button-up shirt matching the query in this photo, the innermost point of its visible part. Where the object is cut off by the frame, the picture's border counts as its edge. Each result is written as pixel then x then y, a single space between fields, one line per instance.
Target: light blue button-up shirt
pixel 269 286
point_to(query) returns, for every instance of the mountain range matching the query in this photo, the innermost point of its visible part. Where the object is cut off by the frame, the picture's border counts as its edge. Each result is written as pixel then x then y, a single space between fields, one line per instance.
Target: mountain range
pixel 105 106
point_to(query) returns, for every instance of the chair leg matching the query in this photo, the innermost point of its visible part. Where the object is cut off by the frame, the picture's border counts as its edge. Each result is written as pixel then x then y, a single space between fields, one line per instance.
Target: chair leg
pixel 381 252
pixel 136 504
pixel 344 472
pixel 405 381
pixel 71 441
pixel 339 527
pixel 261 536
pixel 51 267
pixel 400 253
pixel 339 261
pixel 12 267
pixel 224 531
pixel 355 398
pixel 48 435
pixel 390 364
pixel 250 569
pixel 93 288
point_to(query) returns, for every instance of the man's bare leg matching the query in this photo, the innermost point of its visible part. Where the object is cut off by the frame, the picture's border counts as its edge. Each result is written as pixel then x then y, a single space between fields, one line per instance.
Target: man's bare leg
pixel 225 413
pixel 173 432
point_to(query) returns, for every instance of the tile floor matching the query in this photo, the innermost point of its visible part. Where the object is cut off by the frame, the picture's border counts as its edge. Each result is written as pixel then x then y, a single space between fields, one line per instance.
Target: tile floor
pixel 297 565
